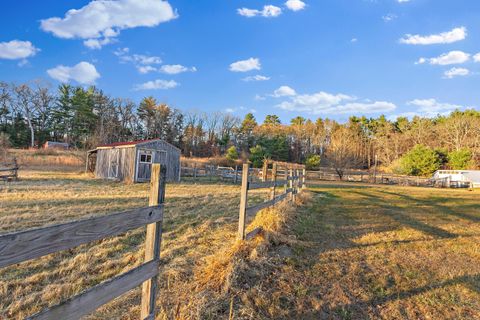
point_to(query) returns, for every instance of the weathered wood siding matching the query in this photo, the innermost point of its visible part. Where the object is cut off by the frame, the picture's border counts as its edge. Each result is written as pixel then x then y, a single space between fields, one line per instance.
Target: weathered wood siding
pixel 171 158
pixel 128 160
pixel 126 163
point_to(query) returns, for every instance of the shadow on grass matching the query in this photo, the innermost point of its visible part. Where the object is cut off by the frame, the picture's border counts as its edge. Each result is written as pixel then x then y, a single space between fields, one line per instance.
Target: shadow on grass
pixel 358 309
pixel 394 213
pixel 434 203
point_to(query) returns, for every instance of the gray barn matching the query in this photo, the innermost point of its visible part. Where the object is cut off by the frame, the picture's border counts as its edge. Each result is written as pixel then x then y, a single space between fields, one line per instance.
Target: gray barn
pixel 132 161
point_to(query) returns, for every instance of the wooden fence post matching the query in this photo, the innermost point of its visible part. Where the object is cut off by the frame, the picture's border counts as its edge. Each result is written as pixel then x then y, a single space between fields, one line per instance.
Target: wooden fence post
pixel 153 240
pixel 194 172
pixel 304 174
pixel 15 165
pixel 290 171
pixel 264 170
pixel 274 180
pixel 235 179
pixel 285 176
pixel 242 217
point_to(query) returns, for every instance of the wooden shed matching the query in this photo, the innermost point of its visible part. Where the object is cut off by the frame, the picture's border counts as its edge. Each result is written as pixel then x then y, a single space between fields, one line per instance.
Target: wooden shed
pixel 132 161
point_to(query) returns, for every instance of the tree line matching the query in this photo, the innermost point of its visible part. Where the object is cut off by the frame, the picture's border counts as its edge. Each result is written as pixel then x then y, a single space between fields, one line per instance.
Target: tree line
pixel 31 114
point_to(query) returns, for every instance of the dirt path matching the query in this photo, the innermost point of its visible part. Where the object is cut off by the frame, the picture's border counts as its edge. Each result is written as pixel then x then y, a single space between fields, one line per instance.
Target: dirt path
pixel 380 253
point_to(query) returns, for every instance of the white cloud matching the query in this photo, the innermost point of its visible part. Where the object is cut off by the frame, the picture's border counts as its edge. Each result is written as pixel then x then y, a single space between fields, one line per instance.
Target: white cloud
pixel 454 35
pixel 284 91
pixel 295 5
pixel 17 49
pixel 83 73
pixel 176 68
pixel 354 40
pixel 452 57
pixel 389 17
pixel 157 85
pixel 403 1
pixel 246 65
pixel 327 103
pixel 143 63
pixel 256 78
pixel 268 11
pixel 431 107
pixel 103 20
pixel 476 57
pixel 456 72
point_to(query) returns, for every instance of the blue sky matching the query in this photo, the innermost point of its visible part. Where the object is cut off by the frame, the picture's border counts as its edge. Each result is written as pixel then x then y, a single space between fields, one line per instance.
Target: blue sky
pixel 315 58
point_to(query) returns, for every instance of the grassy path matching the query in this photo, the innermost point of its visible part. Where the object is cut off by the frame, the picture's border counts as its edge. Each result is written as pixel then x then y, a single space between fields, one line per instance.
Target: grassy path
pixel 381 253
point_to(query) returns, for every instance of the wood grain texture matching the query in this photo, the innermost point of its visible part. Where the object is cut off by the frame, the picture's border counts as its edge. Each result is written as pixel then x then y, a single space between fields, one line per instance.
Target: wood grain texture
pixel 31 244
pixel 242 216
pixel 254 209
pixel 253 233
pixel 266 184
pixel 88 301
pixel 153 239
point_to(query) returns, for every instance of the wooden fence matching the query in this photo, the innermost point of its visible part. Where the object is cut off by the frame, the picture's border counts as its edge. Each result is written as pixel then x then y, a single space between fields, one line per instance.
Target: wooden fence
pixel 27 245
pixel 9 171
pixel 292 182
pixel 31 244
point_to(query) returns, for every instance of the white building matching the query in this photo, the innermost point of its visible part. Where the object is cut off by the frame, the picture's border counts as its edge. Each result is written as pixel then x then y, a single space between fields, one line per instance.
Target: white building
pixel 457 178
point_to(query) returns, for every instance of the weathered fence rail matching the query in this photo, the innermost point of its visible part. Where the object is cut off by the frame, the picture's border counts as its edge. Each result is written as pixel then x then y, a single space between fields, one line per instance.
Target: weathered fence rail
pixel 27 245
pixel 292 183
pixel 31 244
pixel 9 171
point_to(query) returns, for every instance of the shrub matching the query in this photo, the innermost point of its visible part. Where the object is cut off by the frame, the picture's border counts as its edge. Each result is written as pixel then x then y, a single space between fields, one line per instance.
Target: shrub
pixel 313 162
pixel 420 161
pixel 231 154
pixel 257 155
pixel 460 160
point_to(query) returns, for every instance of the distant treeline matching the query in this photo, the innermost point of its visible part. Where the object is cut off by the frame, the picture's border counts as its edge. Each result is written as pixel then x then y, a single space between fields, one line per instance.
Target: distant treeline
pixel 31 114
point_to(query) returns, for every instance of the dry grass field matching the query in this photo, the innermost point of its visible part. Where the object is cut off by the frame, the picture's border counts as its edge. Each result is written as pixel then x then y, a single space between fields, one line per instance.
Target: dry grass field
pixel 380 252
pixel 349 251
pixel 200 221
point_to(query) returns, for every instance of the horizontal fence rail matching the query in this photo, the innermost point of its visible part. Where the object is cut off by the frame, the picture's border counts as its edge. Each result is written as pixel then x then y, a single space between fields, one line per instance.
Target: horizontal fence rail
pixel 27 245
pixel 31 244
pixel 294 180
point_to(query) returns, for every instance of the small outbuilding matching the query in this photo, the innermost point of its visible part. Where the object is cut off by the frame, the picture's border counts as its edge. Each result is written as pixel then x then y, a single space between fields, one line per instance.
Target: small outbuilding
pixel 56 145
pixel 132 161
pixel 457 178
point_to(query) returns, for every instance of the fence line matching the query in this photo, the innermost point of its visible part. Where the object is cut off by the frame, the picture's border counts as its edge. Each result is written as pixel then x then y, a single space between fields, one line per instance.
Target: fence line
pixel 12 169
pixel 31 244
pixel 27 245
pixel 296 184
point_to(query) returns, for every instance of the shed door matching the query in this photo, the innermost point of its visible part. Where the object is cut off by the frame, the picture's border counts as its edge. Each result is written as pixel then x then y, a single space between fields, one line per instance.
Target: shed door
pixel 113 161
pixel 144 169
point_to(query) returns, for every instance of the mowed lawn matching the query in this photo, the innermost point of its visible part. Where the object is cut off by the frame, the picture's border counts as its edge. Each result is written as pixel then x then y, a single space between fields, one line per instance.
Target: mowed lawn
pixel 381 252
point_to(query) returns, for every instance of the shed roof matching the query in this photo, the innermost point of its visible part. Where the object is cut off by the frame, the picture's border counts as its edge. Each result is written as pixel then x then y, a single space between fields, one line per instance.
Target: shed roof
pixel 128 144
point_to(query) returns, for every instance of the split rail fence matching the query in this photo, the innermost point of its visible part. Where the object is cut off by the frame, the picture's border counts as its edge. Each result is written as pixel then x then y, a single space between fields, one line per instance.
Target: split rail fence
pixel 27 245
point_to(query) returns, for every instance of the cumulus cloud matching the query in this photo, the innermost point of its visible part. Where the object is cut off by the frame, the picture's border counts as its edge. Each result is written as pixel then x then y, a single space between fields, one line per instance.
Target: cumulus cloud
pixel 403 1
pixel 256 78
pixel 175 69
pixel 327 103
pixel 17 49
pixel 295 5
pixel 284 91
pixel 246 65
pixel 452 57
pixel 268 11
pixel 431 108
pixel 456 72
pixel 454 35
pixel 476 57
pixel 99 22
pixel 157 85
pixel 83 73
